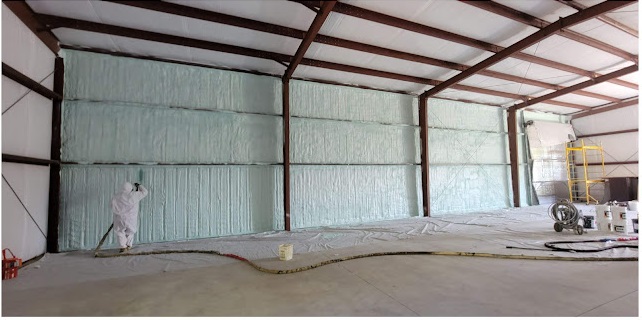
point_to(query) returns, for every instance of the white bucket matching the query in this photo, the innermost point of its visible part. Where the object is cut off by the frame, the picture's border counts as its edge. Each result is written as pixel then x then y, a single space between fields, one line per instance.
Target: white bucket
pixel 285 251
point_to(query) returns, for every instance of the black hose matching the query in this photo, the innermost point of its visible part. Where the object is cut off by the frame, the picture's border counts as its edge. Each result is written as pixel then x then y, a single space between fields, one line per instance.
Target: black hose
pixel 552 245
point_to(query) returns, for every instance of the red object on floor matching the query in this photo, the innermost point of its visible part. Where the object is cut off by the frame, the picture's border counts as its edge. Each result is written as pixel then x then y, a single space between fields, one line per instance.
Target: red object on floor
pixel 10 266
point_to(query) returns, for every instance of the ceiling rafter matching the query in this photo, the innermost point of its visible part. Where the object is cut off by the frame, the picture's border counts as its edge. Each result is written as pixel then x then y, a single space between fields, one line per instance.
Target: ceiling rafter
pixel 316 25
pixel 578 6
pixel 533 21
pixel 530 40
pixel 373 16
pixel 607 107
pixel 240 22
pixel 61 22
pixel 588 83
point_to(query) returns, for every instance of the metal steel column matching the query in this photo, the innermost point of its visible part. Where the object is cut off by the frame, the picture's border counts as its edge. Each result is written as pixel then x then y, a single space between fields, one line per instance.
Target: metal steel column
pixel 425 165
pixel 514 155
pixel 316 25
pixel 286 152
pixel 54 172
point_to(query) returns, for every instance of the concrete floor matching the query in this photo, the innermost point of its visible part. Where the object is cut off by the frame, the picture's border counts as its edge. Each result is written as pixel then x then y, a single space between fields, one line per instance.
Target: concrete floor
pixel 378 286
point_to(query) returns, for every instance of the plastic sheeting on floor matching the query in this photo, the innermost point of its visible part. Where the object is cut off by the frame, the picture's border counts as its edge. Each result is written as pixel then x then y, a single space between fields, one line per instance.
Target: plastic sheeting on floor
pixel 489 231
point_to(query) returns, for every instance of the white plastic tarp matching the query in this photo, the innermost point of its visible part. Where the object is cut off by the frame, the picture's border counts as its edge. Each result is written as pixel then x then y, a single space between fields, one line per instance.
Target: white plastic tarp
pixel 546 134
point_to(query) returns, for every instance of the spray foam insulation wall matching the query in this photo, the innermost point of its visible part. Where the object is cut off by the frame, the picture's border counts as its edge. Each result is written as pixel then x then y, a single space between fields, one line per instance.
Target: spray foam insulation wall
pixel 469 168
pixel 121 110
pixel 356 153
pixel 99 77
pixel 224 127
pixel 185 202
pixel 115 132
pixel 218 134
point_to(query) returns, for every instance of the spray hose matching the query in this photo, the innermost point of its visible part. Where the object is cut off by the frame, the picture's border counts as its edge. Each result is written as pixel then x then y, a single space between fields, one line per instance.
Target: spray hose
pixel 552 245
pixel 376 254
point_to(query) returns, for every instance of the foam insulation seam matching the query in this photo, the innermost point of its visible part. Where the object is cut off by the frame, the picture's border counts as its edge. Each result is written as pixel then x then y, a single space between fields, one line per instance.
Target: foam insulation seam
pixel 358 121
pixel 94 132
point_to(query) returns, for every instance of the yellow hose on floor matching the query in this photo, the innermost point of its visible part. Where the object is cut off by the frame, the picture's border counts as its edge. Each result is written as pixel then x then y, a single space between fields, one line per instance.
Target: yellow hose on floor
pixel 376 254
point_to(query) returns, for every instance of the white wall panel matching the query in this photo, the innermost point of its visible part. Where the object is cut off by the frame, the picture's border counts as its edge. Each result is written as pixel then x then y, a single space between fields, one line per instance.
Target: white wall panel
pixel 615 120
pixel 20 231
pixel 26 131
pixel 26 127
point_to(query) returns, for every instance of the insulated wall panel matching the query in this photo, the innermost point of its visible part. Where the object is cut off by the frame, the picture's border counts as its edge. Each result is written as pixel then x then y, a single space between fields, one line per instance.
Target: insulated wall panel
pixel 465 116
pixel 115 132
pixel 334 127
pixel 126 111
pixel 468 150
pixel 326 141
pixel 314 100
pixel 335 195
pixel 184 202
pixel 461 147
pixel 614 120
pixel 100 77
pixel 460 189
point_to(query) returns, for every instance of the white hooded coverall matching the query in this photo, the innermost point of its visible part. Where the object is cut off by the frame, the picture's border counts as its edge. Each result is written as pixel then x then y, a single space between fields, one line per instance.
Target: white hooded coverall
pixel 124 205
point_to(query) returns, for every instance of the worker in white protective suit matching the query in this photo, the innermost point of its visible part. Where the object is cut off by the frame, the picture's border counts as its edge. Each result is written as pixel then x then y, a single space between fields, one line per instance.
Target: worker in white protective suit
pixel 124 204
